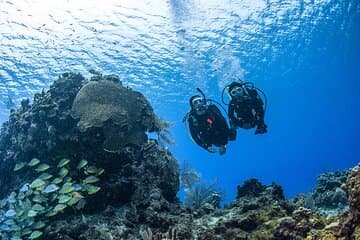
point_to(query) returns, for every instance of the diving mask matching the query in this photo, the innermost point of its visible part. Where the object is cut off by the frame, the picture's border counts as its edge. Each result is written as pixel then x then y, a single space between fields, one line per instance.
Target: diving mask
pixel 237 92
pixel 198 104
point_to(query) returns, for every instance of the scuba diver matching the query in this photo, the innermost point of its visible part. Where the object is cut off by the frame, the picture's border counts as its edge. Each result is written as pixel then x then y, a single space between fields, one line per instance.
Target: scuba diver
pixel 246 109
pixel 207 125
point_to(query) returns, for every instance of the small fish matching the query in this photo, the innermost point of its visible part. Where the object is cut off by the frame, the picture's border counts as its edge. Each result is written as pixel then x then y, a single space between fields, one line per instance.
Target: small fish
pixel 10 213
pixel 15 228
pixel 20 213
pixel 68 179
pixel 60 207
pixel 51 213
pixel 39 199
pixel 29 222
pixel 26 231
pixel 77 194
pixel 81 204
pixel 27 204
pixel 25 187
pixel 37 207
pixel 73 201
pixel 42 167
pixel 53 196
pixel 40 188
pixel 92 189
pixel 57 180
pixel 90 170
pixel 32 213
pixel 39 225
pixel 64 198
pixel 63 162
pixel 11 199
pixel 51 188
pixel 66 188
pixel 9 222
pixel 21 196
pixel 19 166
pixel 34 162
pixel 82 164
pixel 29 192
pixel 15 237
pixel 77 187
pixel 37 183
pixel 2 203
pixel 35 234
pixel 63 172
pixel 4 228
pixel 45 176
pixel 100 172
pixel 91 179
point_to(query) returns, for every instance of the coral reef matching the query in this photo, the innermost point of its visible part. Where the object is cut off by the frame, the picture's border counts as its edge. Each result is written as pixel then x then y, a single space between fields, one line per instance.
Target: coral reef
pixel 203 194
pixel 328 193
pixel 47 130
pixel 77 164
pixel 261 214
pixel 43 130
pixel 351 227
pixel 199 195
pixel 251 187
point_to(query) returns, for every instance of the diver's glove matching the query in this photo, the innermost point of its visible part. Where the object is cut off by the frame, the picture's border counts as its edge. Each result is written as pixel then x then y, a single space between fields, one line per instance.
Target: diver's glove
pixel 222 149
pixel 232 134
pixel 261 129
pixel 211 149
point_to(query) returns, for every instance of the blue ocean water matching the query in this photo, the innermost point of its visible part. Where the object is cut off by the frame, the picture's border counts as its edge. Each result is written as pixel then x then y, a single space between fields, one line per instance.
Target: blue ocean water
pixel 304 54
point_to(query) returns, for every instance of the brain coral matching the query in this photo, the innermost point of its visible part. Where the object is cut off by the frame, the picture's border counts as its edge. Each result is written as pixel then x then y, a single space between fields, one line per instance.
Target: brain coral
pixel 125 113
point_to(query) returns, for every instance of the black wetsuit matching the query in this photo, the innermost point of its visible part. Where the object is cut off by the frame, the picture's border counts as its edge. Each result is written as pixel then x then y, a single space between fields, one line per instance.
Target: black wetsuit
pixel 248 111
pixel 208 129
